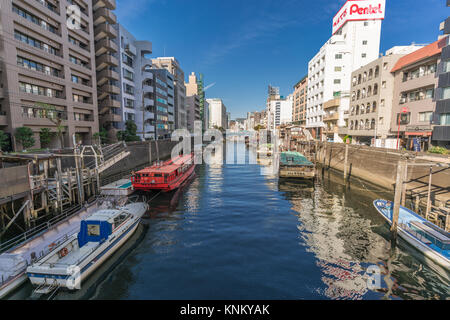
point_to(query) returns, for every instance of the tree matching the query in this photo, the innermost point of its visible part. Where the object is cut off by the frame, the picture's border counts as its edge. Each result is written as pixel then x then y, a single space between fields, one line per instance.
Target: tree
pixel 55 116
pixel 45 136
pixel 25 136
pixel 130 132
pixel 4 141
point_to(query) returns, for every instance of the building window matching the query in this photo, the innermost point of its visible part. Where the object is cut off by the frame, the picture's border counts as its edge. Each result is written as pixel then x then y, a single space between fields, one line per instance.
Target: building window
pixel 338 56
pixel 426 116
pixel 337 69
pixel 445 119
pixel 404 118
pixel 364 42
pixel 446 93
pixel 363 55
pixel 337 81
pixel 366 23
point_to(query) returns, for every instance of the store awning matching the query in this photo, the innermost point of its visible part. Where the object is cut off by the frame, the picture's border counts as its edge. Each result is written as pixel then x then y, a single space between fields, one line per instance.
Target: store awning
pixel 420 134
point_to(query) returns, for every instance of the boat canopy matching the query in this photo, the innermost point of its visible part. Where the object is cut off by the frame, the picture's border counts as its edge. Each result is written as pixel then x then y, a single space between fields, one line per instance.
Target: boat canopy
pixel 294 159
pixel 98 227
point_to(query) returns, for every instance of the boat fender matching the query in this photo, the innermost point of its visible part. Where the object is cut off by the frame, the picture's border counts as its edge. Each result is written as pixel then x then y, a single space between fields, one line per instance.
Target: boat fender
pixel 63 252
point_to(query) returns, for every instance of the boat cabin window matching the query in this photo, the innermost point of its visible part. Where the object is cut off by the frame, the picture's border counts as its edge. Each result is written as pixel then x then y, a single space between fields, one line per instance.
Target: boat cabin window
pixel 93 230
pixel 157 175
pixel 119 220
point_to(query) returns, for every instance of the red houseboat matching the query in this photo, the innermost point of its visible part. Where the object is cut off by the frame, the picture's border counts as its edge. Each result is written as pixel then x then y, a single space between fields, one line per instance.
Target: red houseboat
pixel 166 177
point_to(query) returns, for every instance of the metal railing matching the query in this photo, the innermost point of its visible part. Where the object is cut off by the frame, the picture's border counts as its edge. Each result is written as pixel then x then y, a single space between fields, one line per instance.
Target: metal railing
pixel 29 234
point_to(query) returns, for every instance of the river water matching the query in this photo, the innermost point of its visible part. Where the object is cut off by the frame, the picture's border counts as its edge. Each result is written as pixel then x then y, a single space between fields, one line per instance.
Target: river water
pixel 234 233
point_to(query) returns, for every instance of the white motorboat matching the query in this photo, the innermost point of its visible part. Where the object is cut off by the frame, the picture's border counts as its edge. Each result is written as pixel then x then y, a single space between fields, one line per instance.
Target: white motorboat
pixel 100 235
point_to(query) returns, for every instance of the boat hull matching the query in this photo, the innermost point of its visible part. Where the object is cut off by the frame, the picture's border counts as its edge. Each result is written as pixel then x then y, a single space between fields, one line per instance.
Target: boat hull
pixel 13 284
pixel 101 255
pixel 423 248
pixel 169 186
pixel 299 173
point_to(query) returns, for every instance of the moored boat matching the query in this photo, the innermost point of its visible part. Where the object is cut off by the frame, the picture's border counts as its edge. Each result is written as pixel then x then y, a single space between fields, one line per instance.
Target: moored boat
pixel 296 165
pixel 423 235
pixel 166 176
pixel 100 235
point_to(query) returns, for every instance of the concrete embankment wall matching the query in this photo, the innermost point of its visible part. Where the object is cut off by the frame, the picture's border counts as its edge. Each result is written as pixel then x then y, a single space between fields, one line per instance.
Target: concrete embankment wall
pixel 379 166
pixel 139 158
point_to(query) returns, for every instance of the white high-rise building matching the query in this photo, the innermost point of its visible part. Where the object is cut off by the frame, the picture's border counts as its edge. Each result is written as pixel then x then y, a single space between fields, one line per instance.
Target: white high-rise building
pixel 217 113
pixel 354 43
pixel 280 111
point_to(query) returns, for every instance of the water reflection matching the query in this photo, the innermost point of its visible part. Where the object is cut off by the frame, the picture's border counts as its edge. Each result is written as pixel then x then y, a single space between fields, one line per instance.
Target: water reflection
pixel 345 234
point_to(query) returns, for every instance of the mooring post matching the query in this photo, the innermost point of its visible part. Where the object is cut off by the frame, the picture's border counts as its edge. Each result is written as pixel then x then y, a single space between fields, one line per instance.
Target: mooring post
pixel 398 194
pixel 345 161
pixel 404 189
pixel 429 194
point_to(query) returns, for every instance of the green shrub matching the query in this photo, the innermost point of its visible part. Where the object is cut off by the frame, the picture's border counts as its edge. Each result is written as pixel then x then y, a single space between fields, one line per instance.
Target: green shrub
pixel 25 136
pixel 4 141
pixel 439 150
pixel 45 136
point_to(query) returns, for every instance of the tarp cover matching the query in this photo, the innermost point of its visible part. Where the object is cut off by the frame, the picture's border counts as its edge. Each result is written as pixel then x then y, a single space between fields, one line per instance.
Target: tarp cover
pixel 294 159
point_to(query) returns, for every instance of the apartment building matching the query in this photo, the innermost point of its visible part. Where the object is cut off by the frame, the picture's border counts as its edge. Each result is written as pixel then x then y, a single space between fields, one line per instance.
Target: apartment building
pixel 280 111
pixel 217 113
pixel 441 131
pixel 163 111
pixel 136 83
pixel 193 101
pixel 354 43
pixel 47 71
pixel 173 66
pixel 414 96
pixel 300 99
pixel 107 67
pixel 371 101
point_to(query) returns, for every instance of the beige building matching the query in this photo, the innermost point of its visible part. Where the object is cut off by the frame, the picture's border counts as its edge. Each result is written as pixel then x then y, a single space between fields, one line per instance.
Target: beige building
pixel 43 61
pixel 300 101
pixel 192 102
pixel 414 95
pixel 371 103
pixel 173 66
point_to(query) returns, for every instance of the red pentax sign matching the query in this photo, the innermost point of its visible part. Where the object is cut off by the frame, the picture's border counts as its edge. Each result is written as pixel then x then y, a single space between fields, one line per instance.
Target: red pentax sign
pixel 358 10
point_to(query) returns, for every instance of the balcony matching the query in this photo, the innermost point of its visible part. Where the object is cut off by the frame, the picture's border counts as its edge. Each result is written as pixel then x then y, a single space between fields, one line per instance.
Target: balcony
pixel 105 45
pixel 109 103
pixel 2 93
pixel 105 75
pixel 147 89
pixel 106 60
pixel 147 75
pixel 105 30
pixel 149 102
pixel 110 4
pixel 149 128
pixel 149 115
pixel 104 15
pixel 111 117
pixel 107 89
pixel 332 103
pixel 331 117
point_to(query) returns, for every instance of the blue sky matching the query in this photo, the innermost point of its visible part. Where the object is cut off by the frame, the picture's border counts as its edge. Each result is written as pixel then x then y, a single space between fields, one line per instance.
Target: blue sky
pixel 244 45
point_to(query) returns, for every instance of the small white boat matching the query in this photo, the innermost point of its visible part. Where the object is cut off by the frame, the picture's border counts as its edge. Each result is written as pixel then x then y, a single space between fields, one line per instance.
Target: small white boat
pixel 100 235
pixel 425 236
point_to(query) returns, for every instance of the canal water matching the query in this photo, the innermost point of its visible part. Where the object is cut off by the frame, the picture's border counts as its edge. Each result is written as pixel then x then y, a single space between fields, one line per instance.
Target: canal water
pixel 235 233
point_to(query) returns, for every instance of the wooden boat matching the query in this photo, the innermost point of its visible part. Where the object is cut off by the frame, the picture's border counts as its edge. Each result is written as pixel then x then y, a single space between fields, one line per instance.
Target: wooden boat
pixel 423 235
pixel 296 165
pixel 166 177
pixel 71 262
